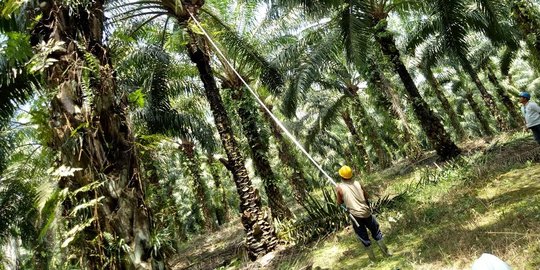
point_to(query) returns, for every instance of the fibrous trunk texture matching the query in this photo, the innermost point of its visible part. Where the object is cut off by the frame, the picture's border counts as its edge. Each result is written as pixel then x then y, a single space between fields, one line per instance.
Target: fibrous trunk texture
pixel 199 186
pixel 258 144
pixel 91 131
pixel 260 235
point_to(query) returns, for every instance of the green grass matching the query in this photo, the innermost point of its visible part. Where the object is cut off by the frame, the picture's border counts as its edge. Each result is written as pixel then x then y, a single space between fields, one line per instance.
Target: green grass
pixel 489 202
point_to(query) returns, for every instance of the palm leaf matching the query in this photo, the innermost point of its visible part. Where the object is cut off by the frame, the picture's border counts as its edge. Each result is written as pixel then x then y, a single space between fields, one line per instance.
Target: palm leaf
pixel 244 54
pixel 355 32
pixel 508 56
pixel 326 118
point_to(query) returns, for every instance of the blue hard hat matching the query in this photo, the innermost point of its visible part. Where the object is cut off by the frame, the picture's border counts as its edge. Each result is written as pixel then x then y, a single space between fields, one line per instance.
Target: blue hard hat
pixel 525 95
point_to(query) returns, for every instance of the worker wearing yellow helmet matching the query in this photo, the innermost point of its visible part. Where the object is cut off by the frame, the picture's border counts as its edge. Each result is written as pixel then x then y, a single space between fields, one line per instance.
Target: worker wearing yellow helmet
pixel 353 196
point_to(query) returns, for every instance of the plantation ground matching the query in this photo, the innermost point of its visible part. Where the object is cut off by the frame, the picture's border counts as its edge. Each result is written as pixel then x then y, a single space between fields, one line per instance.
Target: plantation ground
pixel 452 213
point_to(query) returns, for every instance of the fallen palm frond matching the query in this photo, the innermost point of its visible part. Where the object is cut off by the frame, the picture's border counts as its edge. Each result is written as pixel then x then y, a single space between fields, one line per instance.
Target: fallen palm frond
pixel 322 217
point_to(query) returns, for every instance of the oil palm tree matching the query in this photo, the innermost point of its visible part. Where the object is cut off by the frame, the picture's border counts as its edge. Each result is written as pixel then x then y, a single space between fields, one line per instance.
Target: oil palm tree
pixel 325 69
pixel 286 155
pixel 163 79
pixel 259 233
pixel 16 82
pixel 426 68
pixel 386 96
pixel 483 56
pixel 460 88
pixel 253 67
pixel 527 17
pixel 92 131
pixel 446 29
pixel 363 21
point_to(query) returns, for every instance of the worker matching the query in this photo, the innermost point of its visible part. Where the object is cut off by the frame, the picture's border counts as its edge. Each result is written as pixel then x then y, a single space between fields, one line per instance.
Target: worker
pixel 351 193
pixel 531 112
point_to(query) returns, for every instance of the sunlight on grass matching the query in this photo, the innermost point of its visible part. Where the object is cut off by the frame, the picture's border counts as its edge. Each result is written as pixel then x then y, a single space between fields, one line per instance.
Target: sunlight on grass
pixel 328 255
pixel 451 215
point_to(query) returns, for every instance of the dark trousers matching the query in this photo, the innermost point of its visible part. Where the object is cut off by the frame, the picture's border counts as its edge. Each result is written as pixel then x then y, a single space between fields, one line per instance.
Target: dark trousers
pixel 368 223
pixel 536 132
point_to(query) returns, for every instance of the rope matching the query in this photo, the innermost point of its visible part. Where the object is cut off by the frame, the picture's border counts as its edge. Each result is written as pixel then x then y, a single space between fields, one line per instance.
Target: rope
pixel 281 126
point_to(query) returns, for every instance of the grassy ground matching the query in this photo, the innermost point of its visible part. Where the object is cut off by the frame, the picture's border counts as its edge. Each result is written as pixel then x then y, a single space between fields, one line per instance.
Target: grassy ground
pixel 488 202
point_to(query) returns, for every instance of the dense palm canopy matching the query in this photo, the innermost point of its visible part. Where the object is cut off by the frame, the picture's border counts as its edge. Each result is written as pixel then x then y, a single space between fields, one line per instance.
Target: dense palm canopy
pixel 126 129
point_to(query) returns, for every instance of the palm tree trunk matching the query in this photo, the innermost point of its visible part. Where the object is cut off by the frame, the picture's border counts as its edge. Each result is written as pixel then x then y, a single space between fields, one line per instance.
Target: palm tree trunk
pixel 517 120
pixel 259 233
pixel 452 116
pixel 431 124
pixel 484 125
pixel 359 145
pixel 297 180
pixel 95 135
pixel 222 213
pixel 258 144
pixel 200 188
pixel 409 141
pixel 486 96
pixel 383 159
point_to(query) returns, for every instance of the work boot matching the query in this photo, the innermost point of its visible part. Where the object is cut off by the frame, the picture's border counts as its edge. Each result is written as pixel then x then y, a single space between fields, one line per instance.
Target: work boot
pixel 384 248
pixel 370 253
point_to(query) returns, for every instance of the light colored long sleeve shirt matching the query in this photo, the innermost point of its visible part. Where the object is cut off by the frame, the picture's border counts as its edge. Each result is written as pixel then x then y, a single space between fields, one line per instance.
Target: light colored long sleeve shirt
pixel 531 112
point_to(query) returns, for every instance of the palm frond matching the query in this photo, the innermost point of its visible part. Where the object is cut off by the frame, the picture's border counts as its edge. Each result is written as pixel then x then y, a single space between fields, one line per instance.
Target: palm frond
pixel 309 70
pixel 15 81
pixel 355 32
pixel 244 54
pixel 314 8
pixel 421 33
pixel 326 118
pixel 507 58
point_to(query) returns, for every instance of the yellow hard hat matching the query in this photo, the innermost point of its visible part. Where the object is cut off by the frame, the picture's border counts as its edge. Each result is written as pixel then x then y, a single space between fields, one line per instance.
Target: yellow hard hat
pixel 345 172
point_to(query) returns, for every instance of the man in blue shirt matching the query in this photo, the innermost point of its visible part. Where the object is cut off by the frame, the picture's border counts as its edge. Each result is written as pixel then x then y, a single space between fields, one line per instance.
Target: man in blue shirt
pixel 531 112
